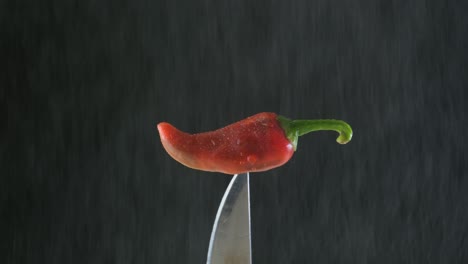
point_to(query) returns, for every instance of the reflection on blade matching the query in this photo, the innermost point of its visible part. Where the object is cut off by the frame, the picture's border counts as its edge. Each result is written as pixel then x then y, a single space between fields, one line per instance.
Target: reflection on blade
pixel 230 238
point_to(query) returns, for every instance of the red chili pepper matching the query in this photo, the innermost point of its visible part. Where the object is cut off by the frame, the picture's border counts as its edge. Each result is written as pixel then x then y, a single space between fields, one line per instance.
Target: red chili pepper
pixel 258 143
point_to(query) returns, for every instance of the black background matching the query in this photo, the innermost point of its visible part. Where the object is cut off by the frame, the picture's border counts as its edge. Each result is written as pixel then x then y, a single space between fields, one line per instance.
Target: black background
pixel 84 178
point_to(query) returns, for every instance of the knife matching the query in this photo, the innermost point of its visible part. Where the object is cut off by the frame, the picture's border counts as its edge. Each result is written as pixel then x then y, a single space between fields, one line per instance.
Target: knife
pixel 230 241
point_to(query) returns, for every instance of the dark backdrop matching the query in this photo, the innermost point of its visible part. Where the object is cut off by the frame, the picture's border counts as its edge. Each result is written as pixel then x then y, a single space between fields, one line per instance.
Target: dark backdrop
pixel 84 178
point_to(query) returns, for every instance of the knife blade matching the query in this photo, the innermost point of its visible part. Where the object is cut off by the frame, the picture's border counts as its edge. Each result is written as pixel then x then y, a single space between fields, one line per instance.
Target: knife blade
pixel 230 241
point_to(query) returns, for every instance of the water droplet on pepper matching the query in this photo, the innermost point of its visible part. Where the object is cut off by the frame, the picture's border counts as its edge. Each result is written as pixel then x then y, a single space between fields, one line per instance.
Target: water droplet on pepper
pixel 251 159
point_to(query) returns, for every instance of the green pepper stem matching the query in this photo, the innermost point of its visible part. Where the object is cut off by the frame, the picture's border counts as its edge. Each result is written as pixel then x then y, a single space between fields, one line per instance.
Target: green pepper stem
pixel 297 128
